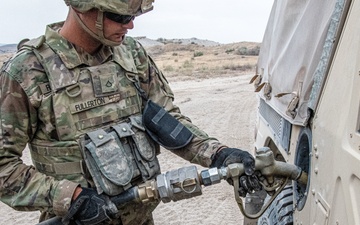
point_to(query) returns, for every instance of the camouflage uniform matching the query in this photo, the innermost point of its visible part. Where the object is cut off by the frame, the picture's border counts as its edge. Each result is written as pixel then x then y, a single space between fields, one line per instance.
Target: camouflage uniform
pixel 34 112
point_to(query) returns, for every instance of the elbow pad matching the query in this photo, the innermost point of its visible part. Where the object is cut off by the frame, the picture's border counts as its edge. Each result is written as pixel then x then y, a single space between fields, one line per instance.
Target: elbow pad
pixel 163 128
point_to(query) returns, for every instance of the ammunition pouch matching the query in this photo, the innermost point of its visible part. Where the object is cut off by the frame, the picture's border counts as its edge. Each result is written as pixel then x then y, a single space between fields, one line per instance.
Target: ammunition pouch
pixel 119 156
pixel 164 128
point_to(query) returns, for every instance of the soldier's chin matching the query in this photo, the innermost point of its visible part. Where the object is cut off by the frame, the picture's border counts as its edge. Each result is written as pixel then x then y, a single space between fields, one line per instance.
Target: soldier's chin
pixel 113 42
pixel 118 39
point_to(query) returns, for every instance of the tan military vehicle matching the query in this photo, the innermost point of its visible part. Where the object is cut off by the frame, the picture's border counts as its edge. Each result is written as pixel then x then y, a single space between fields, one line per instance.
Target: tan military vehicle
pixel 308 84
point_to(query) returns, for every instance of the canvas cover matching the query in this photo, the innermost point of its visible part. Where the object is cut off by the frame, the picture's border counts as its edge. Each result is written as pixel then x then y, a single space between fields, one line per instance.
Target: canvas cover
pixel 294 55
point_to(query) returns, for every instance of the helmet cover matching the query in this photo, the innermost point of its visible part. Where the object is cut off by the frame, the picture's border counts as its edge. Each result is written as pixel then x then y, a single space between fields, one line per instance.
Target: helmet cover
pixel 122 7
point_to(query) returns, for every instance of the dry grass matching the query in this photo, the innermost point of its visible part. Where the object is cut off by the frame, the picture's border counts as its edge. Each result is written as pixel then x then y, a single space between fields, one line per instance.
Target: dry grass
pixel 193 61
pixel 200 62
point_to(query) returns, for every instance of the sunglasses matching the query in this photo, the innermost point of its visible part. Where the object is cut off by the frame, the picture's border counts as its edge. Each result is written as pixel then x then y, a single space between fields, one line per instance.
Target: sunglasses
pixel 123 19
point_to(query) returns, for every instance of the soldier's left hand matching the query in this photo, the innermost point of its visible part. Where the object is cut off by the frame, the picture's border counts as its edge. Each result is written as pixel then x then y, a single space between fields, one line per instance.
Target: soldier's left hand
pixel 90 208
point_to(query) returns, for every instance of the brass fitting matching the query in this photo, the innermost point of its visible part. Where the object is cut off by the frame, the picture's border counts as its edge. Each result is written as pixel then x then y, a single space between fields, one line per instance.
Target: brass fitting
pixel 148 191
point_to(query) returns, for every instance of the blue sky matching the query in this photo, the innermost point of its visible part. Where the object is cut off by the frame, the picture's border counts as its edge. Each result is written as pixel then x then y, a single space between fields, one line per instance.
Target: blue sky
pixel 225 22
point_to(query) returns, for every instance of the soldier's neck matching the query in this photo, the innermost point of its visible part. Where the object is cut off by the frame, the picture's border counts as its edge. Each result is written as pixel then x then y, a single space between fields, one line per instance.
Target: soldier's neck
pixel 74 33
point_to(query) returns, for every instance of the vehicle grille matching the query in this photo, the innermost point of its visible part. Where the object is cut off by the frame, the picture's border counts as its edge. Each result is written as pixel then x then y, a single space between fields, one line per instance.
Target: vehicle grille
pixel 280 127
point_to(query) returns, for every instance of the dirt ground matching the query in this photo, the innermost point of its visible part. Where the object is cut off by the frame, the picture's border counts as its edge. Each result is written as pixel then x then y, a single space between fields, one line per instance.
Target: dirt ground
pixel 225 109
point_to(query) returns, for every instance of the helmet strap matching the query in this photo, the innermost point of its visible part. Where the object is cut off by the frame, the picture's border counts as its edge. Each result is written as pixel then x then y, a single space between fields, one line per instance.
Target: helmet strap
pixel 99 24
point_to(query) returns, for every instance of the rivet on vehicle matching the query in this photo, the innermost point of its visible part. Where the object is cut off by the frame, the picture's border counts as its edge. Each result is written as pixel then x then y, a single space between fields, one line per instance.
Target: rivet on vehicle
pixel 124 129
pixel 313 191
pixel 317 155
pixel 101 136
pixel 316 170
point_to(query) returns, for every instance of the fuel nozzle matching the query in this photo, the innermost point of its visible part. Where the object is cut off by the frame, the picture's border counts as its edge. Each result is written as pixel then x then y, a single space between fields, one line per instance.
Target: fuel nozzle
pixel 265 162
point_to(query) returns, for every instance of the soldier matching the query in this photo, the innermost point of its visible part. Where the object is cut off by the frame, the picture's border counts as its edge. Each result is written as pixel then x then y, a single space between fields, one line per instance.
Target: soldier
pixel 84 96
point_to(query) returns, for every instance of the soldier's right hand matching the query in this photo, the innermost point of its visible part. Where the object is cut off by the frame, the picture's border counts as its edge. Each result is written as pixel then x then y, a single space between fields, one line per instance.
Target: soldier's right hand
pixel 249 181
pixel 90 208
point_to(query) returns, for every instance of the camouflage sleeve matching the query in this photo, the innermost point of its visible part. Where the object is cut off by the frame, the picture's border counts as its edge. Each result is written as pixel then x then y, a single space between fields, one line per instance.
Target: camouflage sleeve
pixel 21 186
pixel 202 147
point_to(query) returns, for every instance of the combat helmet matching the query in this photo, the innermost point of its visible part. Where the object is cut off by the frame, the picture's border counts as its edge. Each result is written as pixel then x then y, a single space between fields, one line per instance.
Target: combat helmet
pixel 122 7
pixel 119 7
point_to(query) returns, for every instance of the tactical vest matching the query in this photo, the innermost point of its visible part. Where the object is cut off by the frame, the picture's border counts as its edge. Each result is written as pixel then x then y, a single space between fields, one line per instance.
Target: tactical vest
pixel 100 106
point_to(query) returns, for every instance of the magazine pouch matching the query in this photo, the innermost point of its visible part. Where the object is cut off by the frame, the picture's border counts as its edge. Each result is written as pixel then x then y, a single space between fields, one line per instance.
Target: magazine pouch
pixel 119 156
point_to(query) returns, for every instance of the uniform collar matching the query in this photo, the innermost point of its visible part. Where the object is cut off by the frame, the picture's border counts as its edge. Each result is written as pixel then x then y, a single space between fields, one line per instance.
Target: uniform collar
pixel 70 55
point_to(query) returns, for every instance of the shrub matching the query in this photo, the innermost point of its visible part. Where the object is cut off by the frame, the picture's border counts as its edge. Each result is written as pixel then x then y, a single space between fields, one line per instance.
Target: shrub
pixel 162 40
pixel 168 68
pixel 227 51
pixel 187 64
pixel 242 51
pixel 197 54
pixel 245 51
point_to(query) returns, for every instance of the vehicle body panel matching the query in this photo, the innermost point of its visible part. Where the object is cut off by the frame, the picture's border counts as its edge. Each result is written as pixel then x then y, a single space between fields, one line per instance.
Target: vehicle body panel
pixel 332 101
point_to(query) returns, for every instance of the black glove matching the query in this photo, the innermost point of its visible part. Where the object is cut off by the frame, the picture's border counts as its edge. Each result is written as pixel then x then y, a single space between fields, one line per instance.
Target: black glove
pixel 90 208
pixel 247 183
